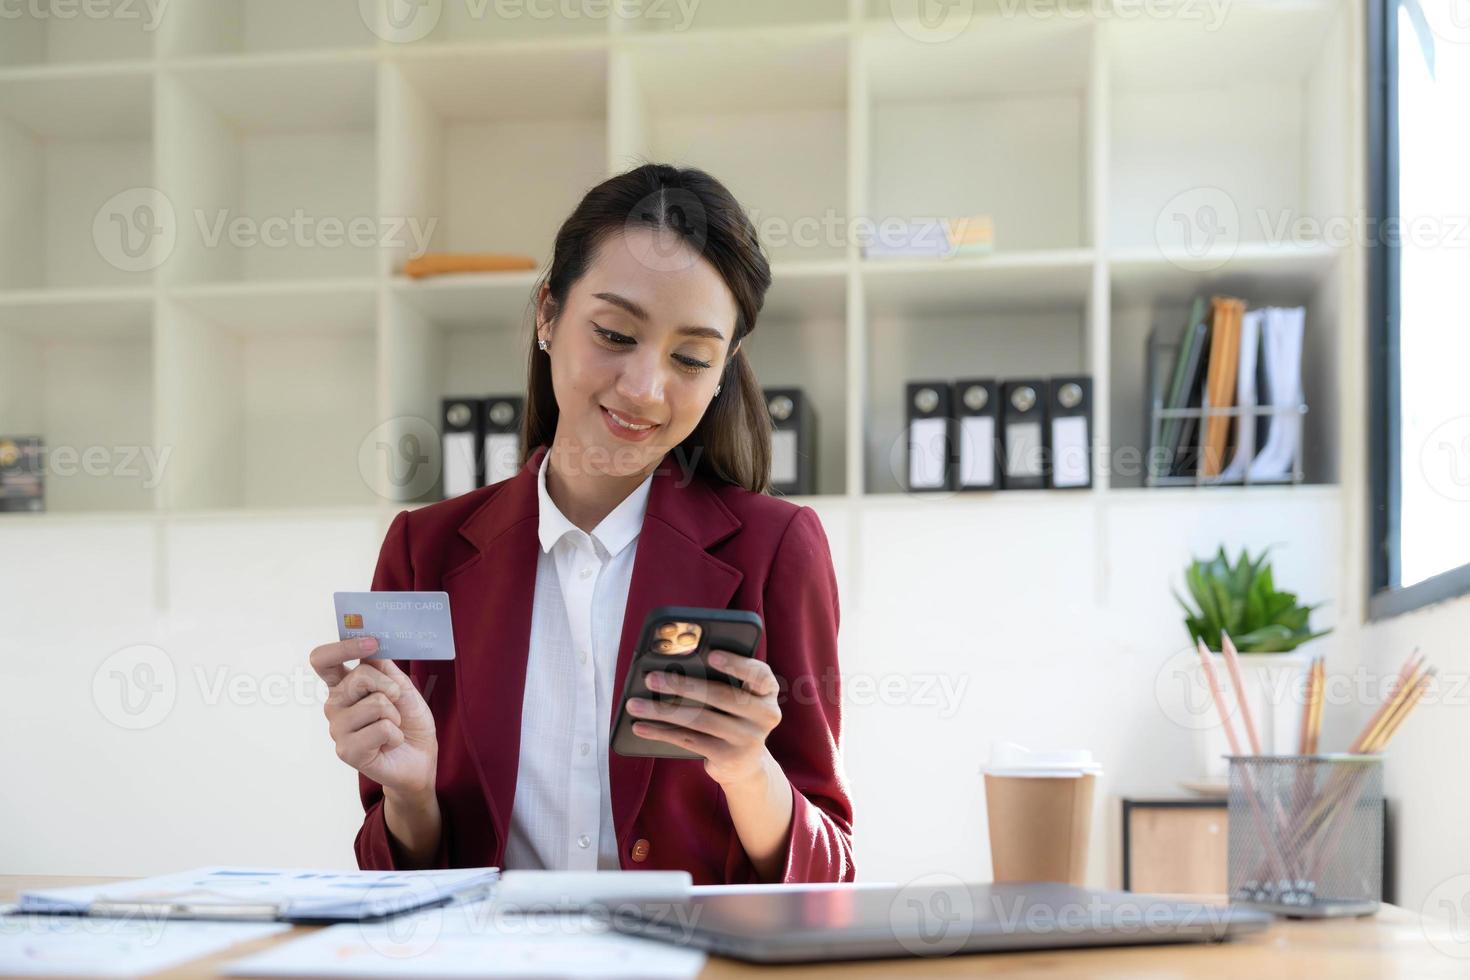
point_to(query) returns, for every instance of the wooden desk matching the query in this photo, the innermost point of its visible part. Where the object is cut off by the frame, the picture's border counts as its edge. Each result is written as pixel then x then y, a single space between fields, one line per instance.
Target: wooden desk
pixel 1393 943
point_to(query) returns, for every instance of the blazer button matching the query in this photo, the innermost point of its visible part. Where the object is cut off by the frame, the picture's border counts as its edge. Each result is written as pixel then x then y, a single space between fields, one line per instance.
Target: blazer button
pixel 640 849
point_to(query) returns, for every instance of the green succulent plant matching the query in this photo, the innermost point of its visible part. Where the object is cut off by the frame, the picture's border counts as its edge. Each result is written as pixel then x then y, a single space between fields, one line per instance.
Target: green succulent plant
pixel 1242 600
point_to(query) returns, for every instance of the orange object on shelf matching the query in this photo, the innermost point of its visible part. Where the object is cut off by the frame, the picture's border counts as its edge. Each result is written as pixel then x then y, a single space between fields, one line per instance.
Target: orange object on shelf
pixel 442 263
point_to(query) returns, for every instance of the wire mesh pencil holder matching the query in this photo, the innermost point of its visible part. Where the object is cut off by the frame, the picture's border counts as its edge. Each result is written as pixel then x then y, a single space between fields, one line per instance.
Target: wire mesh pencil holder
pixel 1306 833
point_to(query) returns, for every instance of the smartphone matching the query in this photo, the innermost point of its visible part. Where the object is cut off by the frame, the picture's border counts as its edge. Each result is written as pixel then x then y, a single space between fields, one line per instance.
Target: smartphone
pixel 678 639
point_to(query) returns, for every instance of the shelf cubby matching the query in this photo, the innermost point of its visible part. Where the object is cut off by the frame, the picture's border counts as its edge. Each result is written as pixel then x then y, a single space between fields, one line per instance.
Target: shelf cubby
pixel 699 104
pixel 1142 302
pixel 992 122
pixel 931 324
pixel 671 19
pixel 242 160
pixel 485 173
pixel 460 336
pixel 1226 133
pixel 60 351
pixel 468 22
pixel 69 146
pixel 267 395
pixel 800 341
pixel 42 35
pixel 249 27
pixel 479 127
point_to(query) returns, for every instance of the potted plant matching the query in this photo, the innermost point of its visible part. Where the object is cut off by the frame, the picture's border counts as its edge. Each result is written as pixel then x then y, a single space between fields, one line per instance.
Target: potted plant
pixel 1268 627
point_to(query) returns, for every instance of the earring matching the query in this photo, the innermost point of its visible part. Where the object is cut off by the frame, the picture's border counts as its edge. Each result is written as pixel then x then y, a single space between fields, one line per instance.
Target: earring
pixel 717 389
pixel 543 344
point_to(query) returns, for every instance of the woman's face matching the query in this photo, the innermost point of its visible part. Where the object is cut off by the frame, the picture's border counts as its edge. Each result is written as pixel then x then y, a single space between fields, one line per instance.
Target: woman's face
pixel 643 338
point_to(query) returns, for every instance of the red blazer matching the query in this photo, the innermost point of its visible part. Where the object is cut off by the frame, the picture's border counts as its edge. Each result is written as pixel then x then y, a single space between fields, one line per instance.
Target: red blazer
pixel 703 543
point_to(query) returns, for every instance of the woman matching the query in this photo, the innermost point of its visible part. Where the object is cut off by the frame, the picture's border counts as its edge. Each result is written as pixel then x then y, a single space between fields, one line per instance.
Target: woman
pixel 644 482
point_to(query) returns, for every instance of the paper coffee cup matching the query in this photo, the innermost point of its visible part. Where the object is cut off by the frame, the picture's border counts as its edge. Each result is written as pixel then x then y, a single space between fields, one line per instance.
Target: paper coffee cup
pixel 1039 805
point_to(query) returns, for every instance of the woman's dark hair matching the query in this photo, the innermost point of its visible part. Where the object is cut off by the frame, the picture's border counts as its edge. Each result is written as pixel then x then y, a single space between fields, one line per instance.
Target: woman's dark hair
pixel 732 442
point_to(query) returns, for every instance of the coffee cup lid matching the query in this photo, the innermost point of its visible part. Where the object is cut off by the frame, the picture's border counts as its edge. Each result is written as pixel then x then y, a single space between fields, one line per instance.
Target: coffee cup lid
pixel 1010 759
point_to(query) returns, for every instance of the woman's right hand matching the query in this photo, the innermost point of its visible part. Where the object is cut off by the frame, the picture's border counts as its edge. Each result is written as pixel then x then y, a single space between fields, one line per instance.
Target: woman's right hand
pixel 380 723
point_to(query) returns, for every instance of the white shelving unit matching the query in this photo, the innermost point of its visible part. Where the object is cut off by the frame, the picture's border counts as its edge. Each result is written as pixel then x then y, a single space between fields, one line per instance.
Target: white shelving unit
pixel 1098 144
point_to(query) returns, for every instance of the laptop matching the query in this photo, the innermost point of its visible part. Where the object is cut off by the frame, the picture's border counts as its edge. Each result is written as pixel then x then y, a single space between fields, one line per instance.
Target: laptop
pixel 826 923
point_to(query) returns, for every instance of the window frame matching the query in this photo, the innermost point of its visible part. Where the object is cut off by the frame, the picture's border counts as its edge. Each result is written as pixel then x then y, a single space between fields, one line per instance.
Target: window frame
pixel 1385 599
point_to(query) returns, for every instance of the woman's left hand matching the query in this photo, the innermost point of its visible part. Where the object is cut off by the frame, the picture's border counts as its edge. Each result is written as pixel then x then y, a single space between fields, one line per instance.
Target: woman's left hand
pixel 726 725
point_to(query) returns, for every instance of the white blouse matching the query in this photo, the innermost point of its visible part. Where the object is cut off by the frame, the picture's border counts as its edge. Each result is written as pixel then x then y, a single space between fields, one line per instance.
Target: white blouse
pixel 561 818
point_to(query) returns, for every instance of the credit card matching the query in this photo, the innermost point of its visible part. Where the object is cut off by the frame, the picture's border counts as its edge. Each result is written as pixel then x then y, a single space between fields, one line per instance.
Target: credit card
pixel 408 625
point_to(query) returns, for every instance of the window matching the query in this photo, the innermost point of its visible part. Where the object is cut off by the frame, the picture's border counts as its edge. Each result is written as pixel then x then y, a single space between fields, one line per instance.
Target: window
pixel 1419 301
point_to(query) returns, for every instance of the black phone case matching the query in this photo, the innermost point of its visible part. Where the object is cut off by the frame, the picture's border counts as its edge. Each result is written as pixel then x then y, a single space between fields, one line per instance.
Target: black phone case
pixel 735 630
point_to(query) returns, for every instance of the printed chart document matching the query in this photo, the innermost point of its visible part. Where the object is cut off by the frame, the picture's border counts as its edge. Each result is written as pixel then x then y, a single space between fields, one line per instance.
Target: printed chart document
pixel 478 939
pixel 72 946
pixel 285 894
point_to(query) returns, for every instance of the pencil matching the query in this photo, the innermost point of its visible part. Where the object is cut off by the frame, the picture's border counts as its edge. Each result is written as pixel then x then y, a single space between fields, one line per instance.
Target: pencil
pixel 1232 662
pixel 1384 714
pixel 1219 695
pixel 1406 706
pixel 1263 827
pixel 1309 694
pixel 1410 665
pixel 1319 698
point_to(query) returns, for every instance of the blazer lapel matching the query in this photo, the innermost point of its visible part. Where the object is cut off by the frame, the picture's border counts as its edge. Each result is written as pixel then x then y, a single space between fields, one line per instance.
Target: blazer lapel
pixel 491 598
pixel 672 567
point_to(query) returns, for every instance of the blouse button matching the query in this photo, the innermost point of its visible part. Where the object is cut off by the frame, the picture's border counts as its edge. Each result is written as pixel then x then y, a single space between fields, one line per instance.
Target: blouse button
pixel 640 849
pixel 586 572
pixel 584 841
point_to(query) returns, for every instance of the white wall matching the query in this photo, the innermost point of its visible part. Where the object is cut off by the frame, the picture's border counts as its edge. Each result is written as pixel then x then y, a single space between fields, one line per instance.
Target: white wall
pixel 1424 774
pixel 978 594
